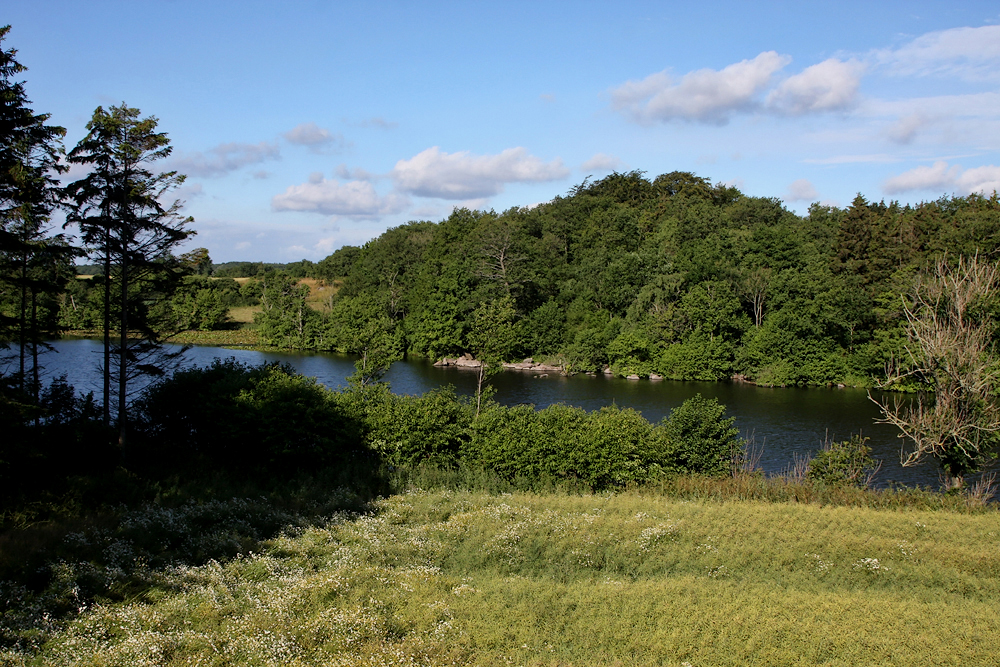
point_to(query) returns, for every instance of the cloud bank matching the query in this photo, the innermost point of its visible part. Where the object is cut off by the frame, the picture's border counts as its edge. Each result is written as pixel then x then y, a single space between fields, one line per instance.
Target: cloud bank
pixel 705 95
pixel 355 199
pixel 829 86
pixel 942 176
pixel 972 54
pixel 461 176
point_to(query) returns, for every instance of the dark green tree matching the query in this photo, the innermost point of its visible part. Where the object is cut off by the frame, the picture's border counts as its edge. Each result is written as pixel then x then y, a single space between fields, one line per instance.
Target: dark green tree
pixel 118 208
pixel 34 265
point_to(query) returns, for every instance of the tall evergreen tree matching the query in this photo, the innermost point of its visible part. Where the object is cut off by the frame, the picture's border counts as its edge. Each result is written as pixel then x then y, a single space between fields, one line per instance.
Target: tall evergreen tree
pixel 34 265
pixel 131 233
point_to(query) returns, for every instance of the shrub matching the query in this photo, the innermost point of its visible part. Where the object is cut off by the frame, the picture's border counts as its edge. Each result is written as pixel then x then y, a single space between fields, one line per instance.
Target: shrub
pixel 696 438
pixel 238 417
pixel 411 430
pixel 846 463
pixel 601 449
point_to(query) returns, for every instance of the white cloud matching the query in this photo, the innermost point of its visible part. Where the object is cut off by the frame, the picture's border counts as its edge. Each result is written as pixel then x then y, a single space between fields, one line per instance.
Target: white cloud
pixel 318 139
pixel 904 130
pixel 828 86
pixel 326 245
pixel 356 174
pixel 223 159
pixel 802 190
pixel 967 53
pixel 984 180
pixel 243 245
pixel 432 173
pixel 706 95
pixel 353 199
pixel 601 162
pixel 937 177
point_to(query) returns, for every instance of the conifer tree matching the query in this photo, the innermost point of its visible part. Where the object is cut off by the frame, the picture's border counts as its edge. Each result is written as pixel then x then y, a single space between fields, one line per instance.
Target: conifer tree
pixel 131 233
pixel 35 265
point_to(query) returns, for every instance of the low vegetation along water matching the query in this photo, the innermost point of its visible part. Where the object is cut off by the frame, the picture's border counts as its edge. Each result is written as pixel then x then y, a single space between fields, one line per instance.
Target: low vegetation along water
pixel 783 423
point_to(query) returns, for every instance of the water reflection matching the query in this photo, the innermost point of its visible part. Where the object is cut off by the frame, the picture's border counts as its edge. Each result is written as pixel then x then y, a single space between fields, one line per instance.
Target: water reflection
pixel 783 422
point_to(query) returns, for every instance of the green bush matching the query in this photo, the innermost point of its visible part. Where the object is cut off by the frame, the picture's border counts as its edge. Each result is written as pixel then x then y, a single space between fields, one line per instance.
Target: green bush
pixel 411 430
pixel 237 417
pixel 846 463
pixel 697 438
pixel 601 449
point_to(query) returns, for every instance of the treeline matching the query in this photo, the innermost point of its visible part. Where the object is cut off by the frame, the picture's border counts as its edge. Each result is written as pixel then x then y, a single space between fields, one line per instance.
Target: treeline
pixel 671 276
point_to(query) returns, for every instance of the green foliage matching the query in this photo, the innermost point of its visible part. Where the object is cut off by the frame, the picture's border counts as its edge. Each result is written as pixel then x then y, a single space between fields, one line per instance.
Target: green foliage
pixel 431 429
pixel 844 463
pixel 285 320
pixel 235 417
pixel 698 438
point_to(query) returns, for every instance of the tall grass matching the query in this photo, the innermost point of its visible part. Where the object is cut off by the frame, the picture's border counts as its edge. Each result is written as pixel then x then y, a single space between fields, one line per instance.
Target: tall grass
pixel 460 577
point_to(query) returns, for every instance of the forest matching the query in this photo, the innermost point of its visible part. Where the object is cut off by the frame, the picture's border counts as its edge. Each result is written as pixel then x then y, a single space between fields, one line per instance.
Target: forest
pixel 670 276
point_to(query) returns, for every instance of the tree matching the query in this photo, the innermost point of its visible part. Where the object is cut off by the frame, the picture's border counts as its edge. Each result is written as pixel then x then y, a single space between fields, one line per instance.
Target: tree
pixel 34 264
pixel 362 326
pixel 492 339
pixel 951 353
pixel 285 320
pixel 118 207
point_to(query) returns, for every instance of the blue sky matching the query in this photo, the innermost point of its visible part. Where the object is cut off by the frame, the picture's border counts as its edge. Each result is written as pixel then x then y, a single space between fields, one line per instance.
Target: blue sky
pixel 305 126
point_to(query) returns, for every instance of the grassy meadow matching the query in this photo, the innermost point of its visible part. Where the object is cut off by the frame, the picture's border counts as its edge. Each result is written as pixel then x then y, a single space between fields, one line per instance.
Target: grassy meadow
pixel 636 578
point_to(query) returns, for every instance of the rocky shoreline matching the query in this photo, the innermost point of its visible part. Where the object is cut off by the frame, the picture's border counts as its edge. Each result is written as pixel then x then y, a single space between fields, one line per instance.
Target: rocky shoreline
pixel 529 364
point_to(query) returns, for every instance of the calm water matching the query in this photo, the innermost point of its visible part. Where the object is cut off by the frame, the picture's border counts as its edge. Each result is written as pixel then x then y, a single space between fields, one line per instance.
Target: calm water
pixel 784 423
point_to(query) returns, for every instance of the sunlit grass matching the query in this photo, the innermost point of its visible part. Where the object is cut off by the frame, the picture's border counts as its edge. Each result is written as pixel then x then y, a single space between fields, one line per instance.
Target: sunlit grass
pixel 449 577
pixel 243 314
pixel 221 338
pixel 321 292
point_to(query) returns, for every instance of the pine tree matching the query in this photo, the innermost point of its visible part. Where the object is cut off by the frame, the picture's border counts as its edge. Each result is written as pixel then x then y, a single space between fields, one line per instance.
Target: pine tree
pixel 35 265
pixel 131 233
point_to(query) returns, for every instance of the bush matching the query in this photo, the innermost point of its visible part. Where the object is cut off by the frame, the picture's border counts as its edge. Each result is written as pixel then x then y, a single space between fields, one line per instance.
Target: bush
pixel 411 430
pixel 846 463
pixel 601 449
pixel 236 417
pixel 696 438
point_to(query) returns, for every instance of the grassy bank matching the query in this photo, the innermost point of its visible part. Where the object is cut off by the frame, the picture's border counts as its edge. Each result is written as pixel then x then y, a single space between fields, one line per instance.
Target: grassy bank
pixel 449 577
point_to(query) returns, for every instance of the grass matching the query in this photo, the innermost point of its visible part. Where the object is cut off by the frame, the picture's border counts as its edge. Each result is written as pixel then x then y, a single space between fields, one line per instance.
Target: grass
pixel 243 314
pixel 220 338
pixel 321 293
pixel 636 578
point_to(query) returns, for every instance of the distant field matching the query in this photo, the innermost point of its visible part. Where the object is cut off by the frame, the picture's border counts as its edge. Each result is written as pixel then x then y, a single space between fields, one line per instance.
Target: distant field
pixel 320 293
pixel 224 338
pixel 243 314
pixel 469 578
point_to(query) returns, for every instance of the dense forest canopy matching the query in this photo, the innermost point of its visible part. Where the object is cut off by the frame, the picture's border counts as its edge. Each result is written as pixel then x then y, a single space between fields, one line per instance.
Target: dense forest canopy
pixel 672 276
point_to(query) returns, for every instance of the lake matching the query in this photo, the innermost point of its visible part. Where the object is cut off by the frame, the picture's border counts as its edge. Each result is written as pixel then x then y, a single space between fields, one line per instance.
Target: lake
pixel 783 422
